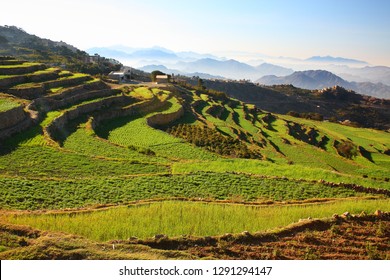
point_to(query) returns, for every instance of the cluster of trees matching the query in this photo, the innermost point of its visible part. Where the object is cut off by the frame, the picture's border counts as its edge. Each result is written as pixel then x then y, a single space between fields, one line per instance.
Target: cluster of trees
pixel 154 74
pixel 213 141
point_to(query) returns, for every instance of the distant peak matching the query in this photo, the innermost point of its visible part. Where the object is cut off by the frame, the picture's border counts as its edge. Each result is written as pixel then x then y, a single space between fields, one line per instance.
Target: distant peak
pixel 332 59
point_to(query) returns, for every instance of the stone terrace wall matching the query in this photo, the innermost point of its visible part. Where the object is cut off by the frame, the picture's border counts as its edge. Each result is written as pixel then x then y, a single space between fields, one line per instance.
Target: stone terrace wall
pixel 9 61
pixel 23 125
pixel 28 93
pixel 34 92
pixel 29 78
pixel 21 70
pixel 60 122
pixel 138 108
pixel 12 117
pixel 11 81
pixel 14 121
pixel 66 82
pixel 47 104
pixel 95 85
pixel 161 119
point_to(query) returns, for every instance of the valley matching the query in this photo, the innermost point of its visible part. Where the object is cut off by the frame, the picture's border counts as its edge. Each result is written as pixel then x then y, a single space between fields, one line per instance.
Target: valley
pixel 179 165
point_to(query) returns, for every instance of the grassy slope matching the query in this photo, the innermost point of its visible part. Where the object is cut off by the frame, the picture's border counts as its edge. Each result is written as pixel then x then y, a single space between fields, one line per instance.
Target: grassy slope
pixel 7 104
pixel 191 218
pixel 127 161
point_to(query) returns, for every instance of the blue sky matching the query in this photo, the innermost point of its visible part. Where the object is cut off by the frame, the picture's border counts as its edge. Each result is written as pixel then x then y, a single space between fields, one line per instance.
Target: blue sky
pixel 348 28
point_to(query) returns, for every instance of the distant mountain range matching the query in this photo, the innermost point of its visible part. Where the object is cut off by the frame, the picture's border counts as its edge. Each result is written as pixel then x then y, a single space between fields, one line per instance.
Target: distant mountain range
pixel 335 60
pixel 217 69
pixel 318 79
pixel 311 79
pixel 374 74
pixel 189 63
pixel 232 69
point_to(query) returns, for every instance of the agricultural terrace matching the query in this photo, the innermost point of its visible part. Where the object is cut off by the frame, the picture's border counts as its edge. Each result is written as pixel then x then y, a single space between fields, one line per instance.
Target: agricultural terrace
pixel 84 145
pixel 175 218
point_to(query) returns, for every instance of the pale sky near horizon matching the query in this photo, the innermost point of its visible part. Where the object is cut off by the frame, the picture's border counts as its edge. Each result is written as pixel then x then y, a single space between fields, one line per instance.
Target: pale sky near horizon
pixel 356 29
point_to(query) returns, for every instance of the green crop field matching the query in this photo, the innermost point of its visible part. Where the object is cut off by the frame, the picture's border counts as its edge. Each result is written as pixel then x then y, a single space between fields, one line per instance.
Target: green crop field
pixel 7 104
pixel 94 148
pixel 187 218
pixel 88 189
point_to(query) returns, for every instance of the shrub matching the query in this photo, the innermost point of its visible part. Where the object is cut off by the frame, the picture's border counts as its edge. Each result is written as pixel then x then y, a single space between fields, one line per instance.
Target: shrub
pixel 346 149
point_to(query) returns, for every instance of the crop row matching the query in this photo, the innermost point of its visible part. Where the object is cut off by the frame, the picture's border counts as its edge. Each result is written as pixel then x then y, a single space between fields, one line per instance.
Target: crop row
pixel 134 131
pixel 187 218
pixel 17 193
pixel 48 162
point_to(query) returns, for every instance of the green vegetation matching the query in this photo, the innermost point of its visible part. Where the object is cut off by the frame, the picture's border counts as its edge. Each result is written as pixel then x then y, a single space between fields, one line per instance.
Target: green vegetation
pixel 212 141
pixel 32 48
pixel 187 218
pixel 90 146
pixel 47 162
pixel 7 104
pixel 84 141
pixel 68 79
pixel 79 182
pixel 22 65
pixel 136 132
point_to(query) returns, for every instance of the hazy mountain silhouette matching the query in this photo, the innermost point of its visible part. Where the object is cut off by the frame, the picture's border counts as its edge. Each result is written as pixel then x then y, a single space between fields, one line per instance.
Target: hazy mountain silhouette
pixel 335 60
pixel 311 79
pixel 318 79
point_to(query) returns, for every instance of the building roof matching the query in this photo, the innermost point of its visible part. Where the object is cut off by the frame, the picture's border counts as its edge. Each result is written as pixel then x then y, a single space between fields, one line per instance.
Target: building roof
pixel 116 73
pixel 161 76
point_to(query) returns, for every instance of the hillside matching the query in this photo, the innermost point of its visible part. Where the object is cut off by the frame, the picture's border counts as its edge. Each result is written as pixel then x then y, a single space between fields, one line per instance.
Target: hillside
pixel 312 79
pixel 16 42
pixel 319 79
pixel 86 165
pixel 339 105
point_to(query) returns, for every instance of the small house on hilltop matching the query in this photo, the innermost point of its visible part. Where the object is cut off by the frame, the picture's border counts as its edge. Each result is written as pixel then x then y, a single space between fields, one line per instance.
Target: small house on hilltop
pixel 160 79
pixel 121 76
pixel 117 76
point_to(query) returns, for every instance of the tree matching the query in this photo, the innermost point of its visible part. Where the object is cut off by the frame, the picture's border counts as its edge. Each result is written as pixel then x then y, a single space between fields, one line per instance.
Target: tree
pixel 200 84
pixel 346 149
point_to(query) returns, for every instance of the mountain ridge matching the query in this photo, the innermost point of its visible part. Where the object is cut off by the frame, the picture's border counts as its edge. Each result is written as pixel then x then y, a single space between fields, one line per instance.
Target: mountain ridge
pixel 331 59
pixel 15 41
pixel 318 79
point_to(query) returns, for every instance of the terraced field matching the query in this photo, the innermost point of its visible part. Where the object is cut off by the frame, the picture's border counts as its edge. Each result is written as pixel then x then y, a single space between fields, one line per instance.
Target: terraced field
pixel 70 142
